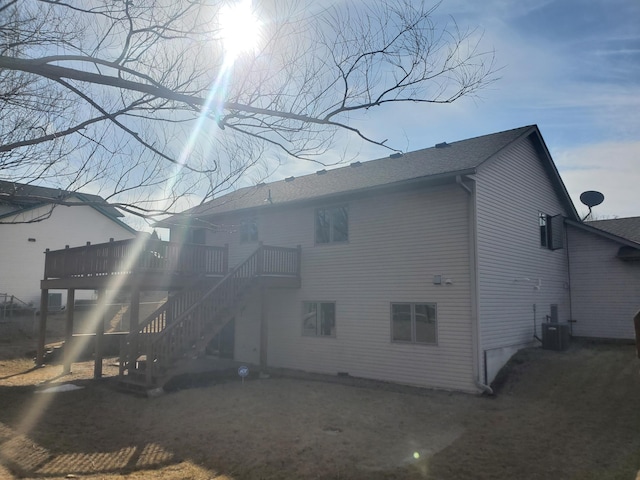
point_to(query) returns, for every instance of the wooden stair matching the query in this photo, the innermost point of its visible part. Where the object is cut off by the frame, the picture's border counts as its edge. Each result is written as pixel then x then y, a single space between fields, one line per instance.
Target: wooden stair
pixel 165 343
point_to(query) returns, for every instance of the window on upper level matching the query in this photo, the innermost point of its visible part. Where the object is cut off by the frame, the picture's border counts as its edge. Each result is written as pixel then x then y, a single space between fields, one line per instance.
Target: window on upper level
pixel 544 229
pixel 414 323
pixel 332 224
pixel 551 231
pixel 199 236
pixel 319 319
pixel 249 231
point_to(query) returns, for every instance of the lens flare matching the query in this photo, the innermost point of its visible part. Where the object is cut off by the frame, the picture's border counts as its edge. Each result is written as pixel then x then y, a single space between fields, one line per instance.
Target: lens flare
pixel 239 28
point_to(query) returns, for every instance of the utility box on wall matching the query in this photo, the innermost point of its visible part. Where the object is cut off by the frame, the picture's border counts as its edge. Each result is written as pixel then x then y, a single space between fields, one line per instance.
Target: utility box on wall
pixel 555 336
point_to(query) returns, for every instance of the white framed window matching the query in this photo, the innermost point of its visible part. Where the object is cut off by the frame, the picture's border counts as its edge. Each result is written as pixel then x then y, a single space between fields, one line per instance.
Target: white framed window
pixel 249 231
pixel 319 319
pixel 332 225
pixel 543 222
pixel 551 231
pixel 414 323
pixel 199 236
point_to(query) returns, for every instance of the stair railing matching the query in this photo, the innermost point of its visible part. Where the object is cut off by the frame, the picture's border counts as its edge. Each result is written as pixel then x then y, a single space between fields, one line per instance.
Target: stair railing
pixel 156 322
pixel 179 337
pixel 190 317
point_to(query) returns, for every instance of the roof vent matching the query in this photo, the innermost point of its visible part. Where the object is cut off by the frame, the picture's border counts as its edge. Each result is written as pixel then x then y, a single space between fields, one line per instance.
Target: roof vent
pixel 322 172
pixel 396 155
pixel 442 145
pixel 290 179
pixel 356 164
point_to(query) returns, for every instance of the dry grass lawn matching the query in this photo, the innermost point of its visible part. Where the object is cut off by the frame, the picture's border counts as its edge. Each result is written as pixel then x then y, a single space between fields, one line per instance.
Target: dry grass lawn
pixel 559 415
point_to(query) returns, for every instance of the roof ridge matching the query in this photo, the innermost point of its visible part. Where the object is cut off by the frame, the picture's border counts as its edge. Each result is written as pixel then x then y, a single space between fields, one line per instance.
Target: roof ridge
pixel 409 153
pixel 461 157
pixel 40 195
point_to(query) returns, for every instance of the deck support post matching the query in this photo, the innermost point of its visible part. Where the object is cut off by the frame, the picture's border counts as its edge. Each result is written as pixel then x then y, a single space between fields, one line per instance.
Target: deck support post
pixel 42 331
pixel 260 259
pixel 264 329
pixel 101 308
pixel 134 326
pixel 68 331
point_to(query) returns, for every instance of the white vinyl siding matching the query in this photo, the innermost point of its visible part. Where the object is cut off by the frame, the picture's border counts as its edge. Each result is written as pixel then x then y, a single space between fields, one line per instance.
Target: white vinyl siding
pixel 605 291
pixel 514 271
pixel 397 244
pixel 22 261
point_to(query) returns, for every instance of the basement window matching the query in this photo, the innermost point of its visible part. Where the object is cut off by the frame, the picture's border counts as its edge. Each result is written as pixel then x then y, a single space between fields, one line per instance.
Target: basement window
pixel 414 323
pixel 332 225
pixel 319 319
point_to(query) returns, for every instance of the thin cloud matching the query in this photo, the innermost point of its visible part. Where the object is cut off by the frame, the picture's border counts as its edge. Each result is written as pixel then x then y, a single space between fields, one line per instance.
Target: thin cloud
pixel 610 168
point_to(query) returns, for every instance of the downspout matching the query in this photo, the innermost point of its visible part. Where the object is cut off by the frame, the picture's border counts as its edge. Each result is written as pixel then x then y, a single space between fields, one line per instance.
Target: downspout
pixel 535 326
pixel 473 281
pixel 571 320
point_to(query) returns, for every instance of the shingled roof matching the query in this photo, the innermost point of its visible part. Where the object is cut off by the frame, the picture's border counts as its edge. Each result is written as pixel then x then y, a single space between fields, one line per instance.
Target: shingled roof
pixel 441 161
pixel 22 196
pixel 628 228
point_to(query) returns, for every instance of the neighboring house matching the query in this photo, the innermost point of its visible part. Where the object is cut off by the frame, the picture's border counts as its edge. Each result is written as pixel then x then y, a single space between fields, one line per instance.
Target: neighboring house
pixel 429 268
pixel 604 259
pixel 31 222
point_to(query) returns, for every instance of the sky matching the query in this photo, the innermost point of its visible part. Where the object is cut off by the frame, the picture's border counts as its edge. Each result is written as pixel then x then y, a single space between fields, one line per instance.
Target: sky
pixel 570 66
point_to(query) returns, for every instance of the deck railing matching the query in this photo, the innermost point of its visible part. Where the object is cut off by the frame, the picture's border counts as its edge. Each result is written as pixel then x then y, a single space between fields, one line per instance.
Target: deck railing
pixel 135 256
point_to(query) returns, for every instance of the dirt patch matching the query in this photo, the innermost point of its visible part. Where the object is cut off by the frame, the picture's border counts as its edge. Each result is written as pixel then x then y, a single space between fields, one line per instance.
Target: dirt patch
pixel 562 415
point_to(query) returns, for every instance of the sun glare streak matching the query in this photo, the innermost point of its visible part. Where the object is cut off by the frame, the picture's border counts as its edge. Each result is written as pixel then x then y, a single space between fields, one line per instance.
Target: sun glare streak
pixel 240 32
pixel 213 107
pixel 38 406
pixel 111 291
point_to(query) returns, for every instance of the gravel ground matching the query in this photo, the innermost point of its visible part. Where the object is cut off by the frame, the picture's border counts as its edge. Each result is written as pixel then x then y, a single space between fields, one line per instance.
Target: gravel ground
pixel 557 415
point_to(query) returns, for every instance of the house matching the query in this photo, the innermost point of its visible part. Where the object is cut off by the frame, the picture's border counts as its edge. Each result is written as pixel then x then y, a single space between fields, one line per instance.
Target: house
pixel 604 267
pixel 31 221
pixel 430 268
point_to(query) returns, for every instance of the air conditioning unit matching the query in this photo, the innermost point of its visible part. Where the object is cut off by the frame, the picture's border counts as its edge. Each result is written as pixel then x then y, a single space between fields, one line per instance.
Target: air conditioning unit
pixel 555 336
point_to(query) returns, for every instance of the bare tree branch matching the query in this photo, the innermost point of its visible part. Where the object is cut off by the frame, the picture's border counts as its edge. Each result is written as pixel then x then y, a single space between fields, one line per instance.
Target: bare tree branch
pixel 137 100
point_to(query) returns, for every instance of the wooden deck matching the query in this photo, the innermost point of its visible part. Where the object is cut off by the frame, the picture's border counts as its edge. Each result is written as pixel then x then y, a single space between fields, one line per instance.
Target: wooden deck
pixel 205 289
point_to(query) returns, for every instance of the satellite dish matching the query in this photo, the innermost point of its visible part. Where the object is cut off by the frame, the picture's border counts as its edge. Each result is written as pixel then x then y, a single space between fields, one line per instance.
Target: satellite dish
pixel 591 198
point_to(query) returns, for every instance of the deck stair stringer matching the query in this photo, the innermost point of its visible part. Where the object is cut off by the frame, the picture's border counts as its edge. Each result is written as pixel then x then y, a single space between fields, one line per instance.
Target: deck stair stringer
pixel 180 330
